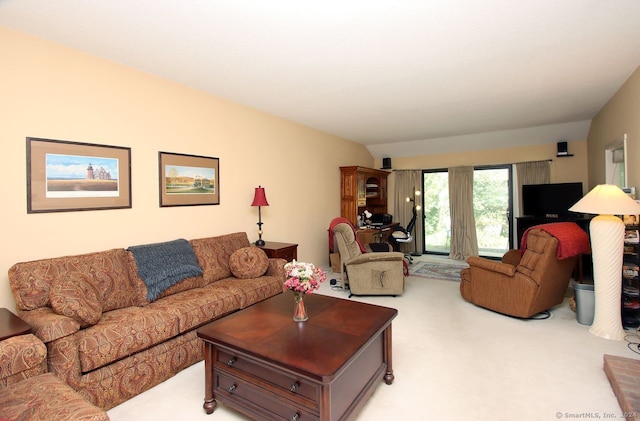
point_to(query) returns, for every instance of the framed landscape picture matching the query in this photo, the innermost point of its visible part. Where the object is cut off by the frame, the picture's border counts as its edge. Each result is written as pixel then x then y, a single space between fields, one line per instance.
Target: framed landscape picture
pixel 188 180
pixel 67 176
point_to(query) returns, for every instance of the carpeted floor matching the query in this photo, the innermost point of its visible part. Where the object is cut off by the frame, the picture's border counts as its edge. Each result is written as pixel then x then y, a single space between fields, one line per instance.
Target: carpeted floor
pixel 448 271
pixel 453 361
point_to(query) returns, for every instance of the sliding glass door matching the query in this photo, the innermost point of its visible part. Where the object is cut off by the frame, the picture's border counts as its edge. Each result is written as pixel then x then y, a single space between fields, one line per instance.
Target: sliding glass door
pixel 437 219
pixel 492 203
pixel 492 206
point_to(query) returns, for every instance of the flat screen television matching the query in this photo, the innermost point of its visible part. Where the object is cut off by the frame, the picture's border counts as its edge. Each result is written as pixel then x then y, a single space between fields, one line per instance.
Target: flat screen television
pixel 550 200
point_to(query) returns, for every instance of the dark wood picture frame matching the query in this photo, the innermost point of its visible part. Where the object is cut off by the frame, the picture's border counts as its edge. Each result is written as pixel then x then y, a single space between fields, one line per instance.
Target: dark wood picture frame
pixel 188 180
pixel 65 176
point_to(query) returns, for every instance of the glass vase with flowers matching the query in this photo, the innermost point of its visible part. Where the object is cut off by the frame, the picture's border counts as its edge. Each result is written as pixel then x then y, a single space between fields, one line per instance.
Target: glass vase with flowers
pixel 302 278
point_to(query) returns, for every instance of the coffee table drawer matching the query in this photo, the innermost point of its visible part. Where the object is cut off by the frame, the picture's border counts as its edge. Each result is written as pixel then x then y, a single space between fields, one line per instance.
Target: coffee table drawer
pixel 257 400
pixel 288 384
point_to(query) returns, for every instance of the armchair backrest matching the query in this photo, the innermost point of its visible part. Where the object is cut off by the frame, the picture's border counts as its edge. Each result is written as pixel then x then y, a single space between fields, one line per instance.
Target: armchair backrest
pixel 413 220
pixel 541 264
pixel 345 239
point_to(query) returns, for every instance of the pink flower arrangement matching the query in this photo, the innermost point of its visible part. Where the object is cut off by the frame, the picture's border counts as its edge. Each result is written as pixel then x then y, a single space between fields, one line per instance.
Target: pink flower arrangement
pixel 303 277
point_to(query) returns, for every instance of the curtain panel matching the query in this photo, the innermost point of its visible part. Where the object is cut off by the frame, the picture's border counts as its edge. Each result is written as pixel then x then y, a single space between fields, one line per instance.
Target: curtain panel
pixel 533 172
pixel 464 241
pixel 405 183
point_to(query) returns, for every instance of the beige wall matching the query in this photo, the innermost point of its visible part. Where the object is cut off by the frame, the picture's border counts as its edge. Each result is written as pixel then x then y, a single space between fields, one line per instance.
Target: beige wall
pixel 51 91
pixel 54 92
pixel 565 169
pixel 620 115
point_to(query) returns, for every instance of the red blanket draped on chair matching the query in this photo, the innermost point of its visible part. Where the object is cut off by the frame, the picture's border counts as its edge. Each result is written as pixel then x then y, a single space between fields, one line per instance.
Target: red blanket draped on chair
pixel 572 240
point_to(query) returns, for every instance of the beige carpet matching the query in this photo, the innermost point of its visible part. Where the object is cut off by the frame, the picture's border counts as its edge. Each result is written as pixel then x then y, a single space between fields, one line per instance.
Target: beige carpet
pixel 452 361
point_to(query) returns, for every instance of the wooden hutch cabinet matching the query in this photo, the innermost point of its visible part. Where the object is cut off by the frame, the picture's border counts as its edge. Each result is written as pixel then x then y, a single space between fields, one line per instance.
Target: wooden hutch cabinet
pixel 362 188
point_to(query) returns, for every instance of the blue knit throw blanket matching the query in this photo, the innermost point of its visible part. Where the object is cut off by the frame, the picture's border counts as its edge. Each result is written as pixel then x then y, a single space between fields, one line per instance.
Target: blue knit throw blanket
pixel 162 265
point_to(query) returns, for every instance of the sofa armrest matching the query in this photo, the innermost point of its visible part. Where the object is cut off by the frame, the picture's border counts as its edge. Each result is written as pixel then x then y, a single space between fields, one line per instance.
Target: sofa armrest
pixel 47 325
pixel 21 357
pixel 375 257
pixel 490 265
pixel 276 268
pixel 59 334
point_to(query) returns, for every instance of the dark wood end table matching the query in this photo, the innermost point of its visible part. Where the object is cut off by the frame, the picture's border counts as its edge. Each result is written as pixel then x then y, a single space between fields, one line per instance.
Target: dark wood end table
pixel 287 251
pixel 263 364
pixel 12 325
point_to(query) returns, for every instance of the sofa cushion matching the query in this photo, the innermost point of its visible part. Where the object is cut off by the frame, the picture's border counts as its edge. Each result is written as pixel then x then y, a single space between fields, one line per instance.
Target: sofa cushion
pixel 250 291
pixel 199 306
pixel 123 332
pixel 248 262
pixel 184 285
pixel 73 295
pixel 109 271
pixel 12 406
pixel 213 254
pixel 162 265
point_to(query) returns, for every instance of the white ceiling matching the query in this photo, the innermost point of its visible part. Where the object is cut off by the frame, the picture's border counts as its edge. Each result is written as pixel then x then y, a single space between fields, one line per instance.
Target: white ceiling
pixel 396 75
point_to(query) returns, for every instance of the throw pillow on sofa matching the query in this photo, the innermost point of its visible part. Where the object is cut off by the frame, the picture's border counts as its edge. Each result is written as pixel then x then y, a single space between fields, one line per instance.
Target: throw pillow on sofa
pixel 73 295
pixel 248 262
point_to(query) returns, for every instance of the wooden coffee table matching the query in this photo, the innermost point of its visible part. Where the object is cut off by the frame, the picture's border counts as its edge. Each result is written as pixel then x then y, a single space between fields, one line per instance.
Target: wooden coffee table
pixel 263 364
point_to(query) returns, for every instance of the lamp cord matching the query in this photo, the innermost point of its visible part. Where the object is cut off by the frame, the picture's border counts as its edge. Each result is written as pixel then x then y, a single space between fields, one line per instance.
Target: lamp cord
pixel 541 316
pixel 631 339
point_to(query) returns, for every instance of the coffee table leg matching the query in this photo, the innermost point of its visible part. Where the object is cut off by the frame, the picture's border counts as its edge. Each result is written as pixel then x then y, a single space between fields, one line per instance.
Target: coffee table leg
pixel 210 353
pixel 210 406
pixel 386 339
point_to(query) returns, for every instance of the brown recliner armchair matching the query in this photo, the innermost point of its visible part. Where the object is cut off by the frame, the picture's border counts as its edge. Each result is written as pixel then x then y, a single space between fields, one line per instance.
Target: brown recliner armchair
pixel 368 273
pixel 523 285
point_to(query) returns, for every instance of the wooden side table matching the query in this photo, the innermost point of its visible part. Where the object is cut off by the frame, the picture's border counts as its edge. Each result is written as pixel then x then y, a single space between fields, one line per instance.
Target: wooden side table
pixel 287 251
pixel 12 325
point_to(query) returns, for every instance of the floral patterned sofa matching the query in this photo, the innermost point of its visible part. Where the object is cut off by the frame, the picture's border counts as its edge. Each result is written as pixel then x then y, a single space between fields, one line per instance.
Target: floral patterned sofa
pixel 107 339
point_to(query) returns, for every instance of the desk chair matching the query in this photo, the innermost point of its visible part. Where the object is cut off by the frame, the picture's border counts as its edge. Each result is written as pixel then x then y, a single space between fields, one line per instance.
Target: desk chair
pixel 403 235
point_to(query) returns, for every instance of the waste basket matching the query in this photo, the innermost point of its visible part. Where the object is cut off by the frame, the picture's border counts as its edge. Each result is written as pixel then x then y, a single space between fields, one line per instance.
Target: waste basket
pixel 585 303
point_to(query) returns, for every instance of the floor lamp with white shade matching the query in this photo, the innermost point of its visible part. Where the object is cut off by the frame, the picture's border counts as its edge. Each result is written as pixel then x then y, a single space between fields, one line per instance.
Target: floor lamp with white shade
pixel 607 247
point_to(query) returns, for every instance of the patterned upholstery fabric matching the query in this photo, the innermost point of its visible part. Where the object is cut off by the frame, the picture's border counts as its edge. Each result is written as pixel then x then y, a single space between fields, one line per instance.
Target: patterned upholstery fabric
pixel 110 385
pixel 74 296
pixel 251 291
pixel 108 271
pixel 197 307
pixel 47 325
pixel 213 254
pixel 46 398
pixel 27 393
pixel 248 262
pixel 134 345
pixel 123 332
pixel 21 357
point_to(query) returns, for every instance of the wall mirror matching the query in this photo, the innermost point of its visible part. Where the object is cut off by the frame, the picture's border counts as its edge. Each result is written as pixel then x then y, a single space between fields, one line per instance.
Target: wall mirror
pixel 615 158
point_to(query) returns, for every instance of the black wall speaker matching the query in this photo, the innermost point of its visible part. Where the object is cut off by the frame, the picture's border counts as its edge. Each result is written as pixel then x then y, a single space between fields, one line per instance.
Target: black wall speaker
pixel 563 149
pixel 386 163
